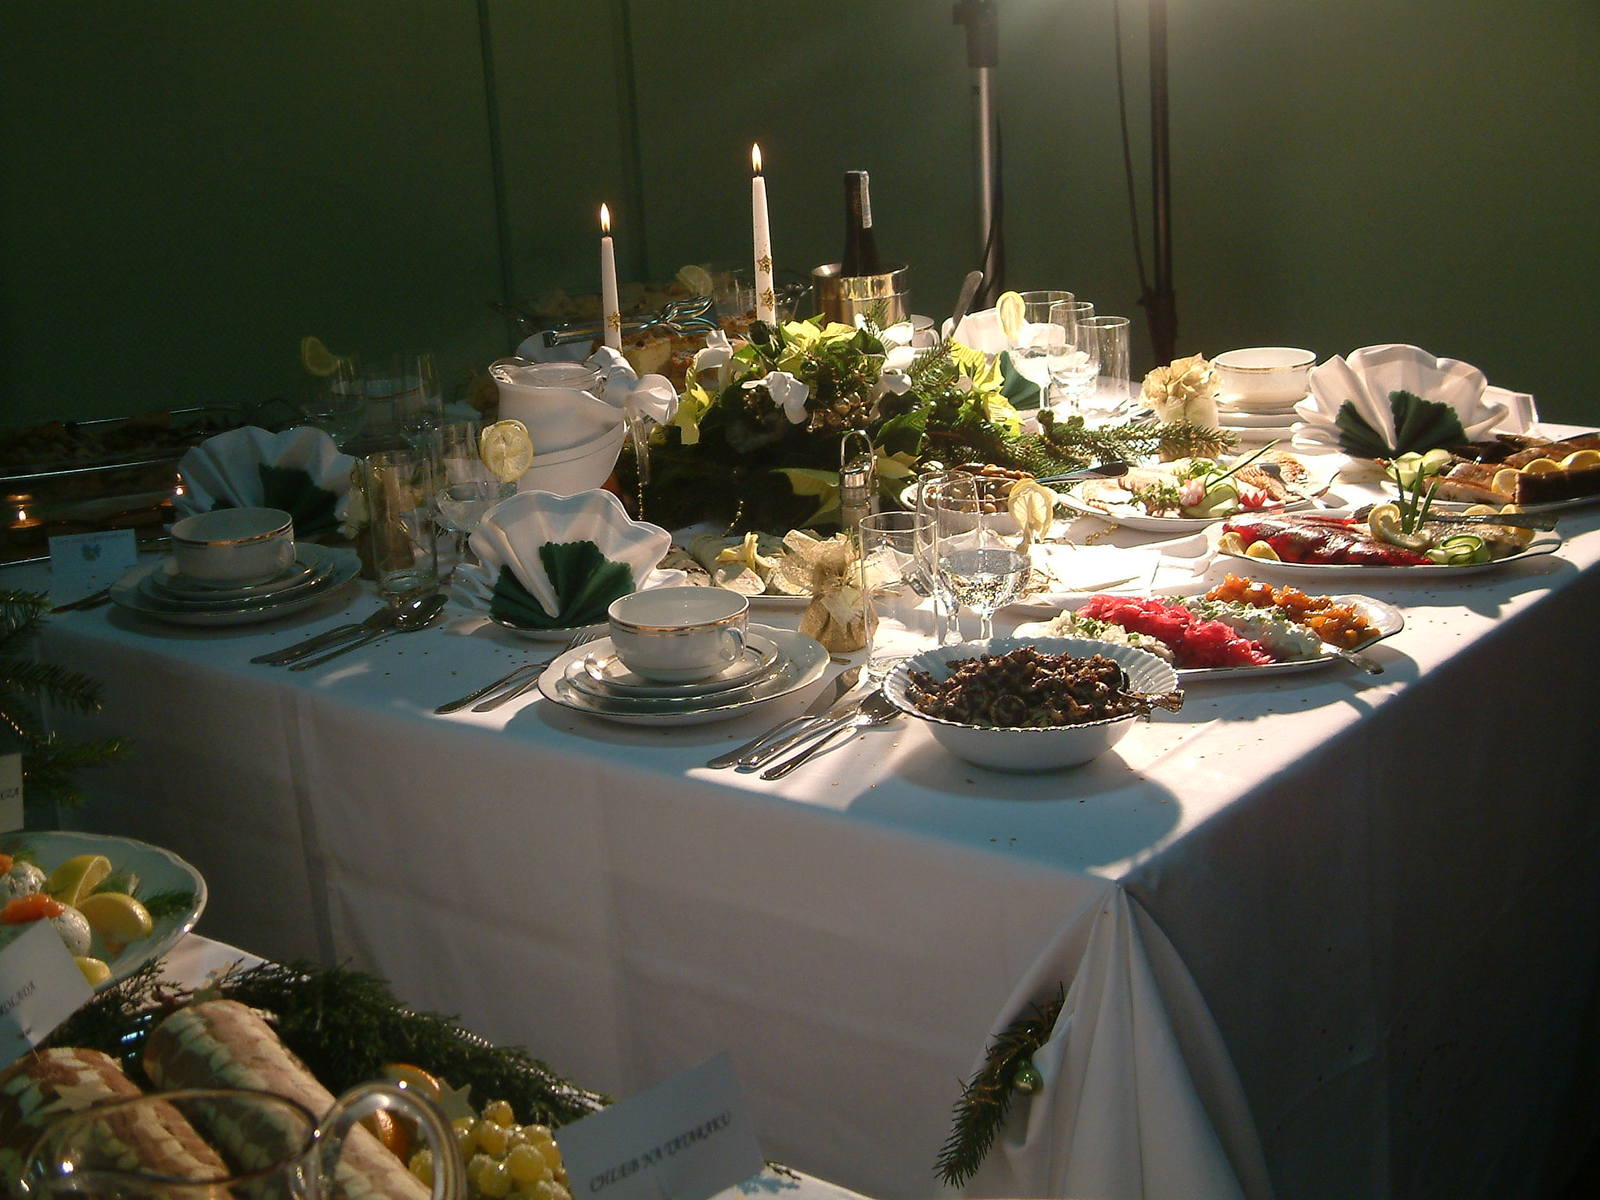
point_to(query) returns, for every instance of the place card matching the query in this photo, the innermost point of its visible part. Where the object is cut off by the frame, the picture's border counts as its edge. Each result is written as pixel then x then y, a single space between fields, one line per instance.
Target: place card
pixel 40 987
pixel 83 563
pixel 11 790
pixel 686 1139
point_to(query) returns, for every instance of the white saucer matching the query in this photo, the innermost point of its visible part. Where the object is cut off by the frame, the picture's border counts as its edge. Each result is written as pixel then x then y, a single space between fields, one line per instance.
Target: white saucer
pixel 129 593
pixel 1249 420
pixel 172 582
pixel 601 673
pixel 158 592
pixel 804 661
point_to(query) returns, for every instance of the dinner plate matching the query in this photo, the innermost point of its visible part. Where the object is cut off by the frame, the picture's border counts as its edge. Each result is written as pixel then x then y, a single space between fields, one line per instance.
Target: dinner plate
pixel 601 673
pixel 1385 618
pixel 804 662
pixel 155 590
pixel 128 593
pixel 171 580
pixel 159 871
pixel 1544 542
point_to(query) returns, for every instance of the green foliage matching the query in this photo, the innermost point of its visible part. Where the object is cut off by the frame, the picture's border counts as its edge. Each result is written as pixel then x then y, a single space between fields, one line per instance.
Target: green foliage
pixel 49 763
pixel 986 1099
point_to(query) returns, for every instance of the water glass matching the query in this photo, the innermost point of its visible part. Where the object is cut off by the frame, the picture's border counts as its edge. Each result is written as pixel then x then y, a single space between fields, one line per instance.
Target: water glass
pixel 946 626
pixel 896 554
pixel 403 396
pixel 1036 305
pixel 980 557
pixel 1111 393
pixel 398 488
pixel 339 406
pixel 1074 367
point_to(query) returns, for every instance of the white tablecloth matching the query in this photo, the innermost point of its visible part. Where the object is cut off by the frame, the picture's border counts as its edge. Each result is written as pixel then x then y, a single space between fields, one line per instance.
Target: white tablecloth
pixel 1382 892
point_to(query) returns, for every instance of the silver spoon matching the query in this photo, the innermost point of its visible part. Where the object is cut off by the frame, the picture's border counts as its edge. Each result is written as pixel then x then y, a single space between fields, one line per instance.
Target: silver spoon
pixel 408 620
pixel 876 709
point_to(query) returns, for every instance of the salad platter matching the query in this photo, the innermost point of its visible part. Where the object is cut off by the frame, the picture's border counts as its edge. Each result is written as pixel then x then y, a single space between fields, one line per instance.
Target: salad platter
pixel 1188 495
pixel 1240 629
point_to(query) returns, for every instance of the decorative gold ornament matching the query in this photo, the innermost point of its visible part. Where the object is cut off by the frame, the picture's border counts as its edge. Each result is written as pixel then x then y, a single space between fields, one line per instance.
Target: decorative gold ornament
pixel 764 263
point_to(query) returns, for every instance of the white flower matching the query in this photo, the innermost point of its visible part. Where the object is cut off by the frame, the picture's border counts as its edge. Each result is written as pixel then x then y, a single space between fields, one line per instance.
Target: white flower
pixel 895 383
pixel 898 334
pixel 789 394
pixel 900 358
pixel 715 362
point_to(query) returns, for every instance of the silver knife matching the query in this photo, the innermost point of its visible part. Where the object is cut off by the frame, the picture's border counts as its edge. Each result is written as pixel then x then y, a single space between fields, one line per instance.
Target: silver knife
pixel 823 701
pixel 381 619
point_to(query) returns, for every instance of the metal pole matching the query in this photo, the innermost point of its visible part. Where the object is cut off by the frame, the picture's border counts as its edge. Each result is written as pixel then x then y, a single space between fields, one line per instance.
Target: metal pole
pixel 1162 307
pixel 983 56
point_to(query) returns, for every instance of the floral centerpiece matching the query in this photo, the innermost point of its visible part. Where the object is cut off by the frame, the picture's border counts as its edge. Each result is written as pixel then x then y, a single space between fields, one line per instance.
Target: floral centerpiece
pixel 755 440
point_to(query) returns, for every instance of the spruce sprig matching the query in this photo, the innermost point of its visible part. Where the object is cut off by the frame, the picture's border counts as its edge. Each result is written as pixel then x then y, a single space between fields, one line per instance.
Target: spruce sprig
pixel 985 1100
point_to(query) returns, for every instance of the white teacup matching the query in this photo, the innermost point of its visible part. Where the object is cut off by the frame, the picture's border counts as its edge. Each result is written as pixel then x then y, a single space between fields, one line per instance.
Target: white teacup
pixel 679 634
pixel 234 547
pixel 1265 373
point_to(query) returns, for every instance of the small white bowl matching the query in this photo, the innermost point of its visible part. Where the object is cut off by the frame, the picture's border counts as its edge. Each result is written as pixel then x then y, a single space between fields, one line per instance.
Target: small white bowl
pixel 1021 750
pixel 1281 373
pixel 578 469
pixel 679 634
pixel 234 547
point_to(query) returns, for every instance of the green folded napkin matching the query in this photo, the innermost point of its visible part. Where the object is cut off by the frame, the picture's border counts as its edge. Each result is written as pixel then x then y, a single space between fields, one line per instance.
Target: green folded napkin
pixel 585 584
pixel 1024 394
pixel 291 489
pixel 1419 426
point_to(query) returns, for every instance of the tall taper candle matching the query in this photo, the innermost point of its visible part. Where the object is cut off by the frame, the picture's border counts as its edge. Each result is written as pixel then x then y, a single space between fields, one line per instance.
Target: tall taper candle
pixel 610 307
pixel 766 297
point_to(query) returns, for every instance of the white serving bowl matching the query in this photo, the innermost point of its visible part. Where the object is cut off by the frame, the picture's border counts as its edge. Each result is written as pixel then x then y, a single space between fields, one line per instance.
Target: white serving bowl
pixel 1281 373
pixel 578 469
pixel 234 547
pixel 1028 750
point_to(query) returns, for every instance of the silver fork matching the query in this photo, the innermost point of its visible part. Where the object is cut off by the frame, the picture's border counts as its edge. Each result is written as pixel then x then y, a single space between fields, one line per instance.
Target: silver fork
pixel 876 709
pixel 532 670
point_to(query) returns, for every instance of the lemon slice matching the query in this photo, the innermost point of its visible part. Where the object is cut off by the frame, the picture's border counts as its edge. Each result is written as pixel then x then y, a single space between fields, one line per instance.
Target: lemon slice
pixel 506 449
pixel 317 358
pixel 1262 551
pixel 1580 459
pixel 1011 311
pixel 77 877
pixel 95 971
pixel 1033 507
pixel 695 279
pixel 1542 466
pixel 117 918
pixel 1505 481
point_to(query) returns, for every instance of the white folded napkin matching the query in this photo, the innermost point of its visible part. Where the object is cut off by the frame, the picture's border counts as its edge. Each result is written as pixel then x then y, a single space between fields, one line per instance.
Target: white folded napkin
pixel 980 331
pixel 651 396
pixel 1369 376
pixel 226 471
pixel 528 532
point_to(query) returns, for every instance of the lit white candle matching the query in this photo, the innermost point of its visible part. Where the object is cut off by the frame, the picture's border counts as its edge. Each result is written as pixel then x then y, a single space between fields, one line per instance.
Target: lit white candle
pixel 766 298
pixel 610 307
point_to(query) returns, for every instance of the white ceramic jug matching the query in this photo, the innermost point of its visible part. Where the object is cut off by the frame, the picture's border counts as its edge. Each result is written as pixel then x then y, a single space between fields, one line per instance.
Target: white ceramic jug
pixel 563 404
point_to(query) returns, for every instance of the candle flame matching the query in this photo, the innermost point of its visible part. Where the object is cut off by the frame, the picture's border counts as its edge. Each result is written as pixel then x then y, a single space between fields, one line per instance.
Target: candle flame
pixel 22 514
pixel 605 219
pixel 755 157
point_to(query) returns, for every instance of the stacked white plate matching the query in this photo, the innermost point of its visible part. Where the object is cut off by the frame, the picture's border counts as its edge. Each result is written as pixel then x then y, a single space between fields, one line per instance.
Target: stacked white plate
pixel 161 591
pixel 591 679
pixel 1253 420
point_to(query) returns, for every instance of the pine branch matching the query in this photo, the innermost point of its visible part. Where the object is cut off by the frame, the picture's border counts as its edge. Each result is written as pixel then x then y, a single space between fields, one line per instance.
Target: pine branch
pixel 19 615
pixel 986 1100
pixel 53 682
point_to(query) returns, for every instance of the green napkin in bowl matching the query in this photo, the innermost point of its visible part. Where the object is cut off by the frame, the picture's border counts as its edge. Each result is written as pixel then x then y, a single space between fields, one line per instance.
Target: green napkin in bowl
pixel 585 584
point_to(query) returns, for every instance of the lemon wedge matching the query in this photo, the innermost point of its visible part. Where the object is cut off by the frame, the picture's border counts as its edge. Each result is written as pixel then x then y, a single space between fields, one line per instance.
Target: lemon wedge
pixel 1262 551
pixel 117 918
pixel 316 358
pixel 1011 311
pixel 506 449
pixel 95 971
pixel 695 279
pixel 1581 459
pixel 77 877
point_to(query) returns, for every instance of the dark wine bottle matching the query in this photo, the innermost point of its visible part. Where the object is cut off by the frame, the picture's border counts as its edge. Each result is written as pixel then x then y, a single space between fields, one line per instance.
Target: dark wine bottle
pixel 860 245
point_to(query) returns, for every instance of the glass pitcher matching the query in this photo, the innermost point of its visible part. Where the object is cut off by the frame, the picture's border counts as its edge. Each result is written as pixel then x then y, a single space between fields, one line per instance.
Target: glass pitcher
pixel 227 1143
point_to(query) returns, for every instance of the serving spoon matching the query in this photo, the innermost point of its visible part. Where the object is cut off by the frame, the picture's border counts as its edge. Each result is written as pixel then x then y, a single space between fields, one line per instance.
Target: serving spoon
pixel 1106 470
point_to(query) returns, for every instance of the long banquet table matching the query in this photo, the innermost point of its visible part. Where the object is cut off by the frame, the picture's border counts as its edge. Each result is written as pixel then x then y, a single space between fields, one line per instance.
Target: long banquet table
pixel 1325 935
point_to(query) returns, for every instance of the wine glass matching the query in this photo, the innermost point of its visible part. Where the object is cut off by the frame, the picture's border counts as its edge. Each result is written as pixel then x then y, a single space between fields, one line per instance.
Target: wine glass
pixel 339 406
pixel 980 557
pixel 1076 364
pixel 894 553
pixel 467 489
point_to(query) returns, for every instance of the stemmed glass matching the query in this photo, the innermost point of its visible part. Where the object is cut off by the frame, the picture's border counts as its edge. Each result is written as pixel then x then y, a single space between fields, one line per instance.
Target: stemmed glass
pixel 979 552
pixel 467 489
pixel 1076 363
pixel 895 553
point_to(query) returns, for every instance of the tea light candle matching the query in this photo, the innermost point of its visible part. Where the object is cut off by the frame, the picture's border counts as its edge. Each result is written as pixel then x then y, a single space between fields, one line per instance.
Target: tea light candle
pixel 766 297
pixel 610 306
pixel 25 529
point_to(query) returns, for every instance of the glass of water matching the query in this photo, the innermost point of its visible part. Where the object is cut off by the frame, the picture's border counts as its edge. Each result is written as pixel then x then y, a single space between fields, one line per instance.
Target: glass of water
pixel 1074 365
pixel 466 489
pixel 979 555
pixel 398 488
pixel 1111 392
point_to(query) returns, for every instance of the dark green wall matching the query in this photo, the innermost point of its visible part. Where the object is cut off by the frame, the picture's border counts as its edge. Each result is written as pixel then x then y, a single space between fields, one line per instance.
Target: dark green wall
pixel 190 185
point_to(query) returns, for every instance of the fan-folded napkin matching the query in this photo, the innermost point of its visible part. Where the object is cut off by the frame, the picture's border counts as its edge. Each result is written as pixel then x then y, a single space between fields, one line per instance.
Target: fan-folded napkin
pixel 299 470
